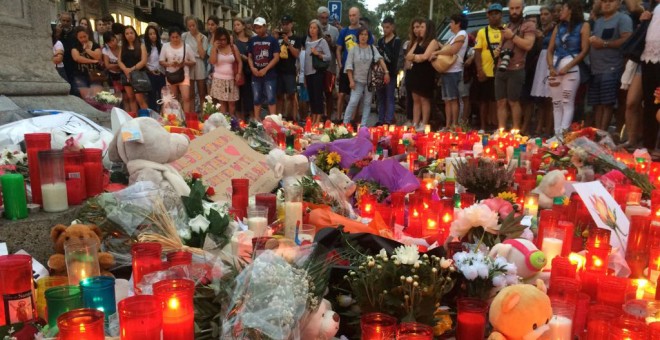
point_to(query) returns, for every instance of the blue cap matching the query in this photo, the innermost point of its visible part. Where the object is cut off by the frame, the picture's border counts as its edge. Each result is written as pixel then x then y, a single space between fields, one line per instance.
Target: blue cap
pixel 495 7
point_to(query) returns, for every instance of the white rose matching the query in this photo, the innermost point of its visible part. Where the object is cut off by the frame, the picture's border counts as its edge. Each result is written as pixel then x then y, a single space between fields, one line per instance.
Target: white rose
pixel 470 272
pixel 444 263
pixel 325 138
pixel 184 234
pixel 342 130
pixel 199 224
pixel 482 270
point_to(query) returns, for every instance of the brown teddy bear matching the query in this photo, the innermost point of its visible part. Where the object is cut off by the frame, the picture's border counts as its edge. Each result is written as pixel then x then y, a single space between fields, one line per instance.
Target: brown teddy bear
pixel 77 233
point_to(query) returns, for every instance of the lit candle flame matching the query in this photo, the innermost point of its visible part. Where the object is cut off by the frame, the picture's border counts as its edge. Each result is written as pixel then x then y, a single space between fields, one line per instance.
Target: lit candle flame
pixel 173 303
pixel 431 224
pixel 446 218
pixel 577 259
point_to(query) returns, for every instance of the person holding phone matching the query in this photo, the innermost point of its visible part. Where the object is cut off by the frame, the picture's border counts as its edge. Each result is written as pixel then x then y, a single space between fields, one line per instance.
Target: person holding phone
pixel 610 31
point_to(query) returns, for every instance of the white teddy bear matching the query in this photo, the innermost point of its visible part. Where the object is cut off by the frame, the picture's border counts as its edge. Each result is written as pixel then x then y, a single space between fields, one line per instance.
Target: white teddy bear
pixel 322 324
pixel 551 186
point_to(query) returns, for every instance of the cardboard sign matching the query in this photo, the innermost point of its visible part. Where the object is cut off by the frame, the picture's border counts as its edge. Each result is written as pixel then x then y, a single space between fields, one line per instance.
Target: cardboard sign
pixel 219 156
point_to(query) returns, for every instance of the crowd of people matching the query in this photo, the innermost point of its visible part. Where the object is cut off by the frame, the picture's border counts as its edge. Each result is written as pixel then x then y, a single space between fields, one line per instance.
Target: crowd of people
pixel 533 70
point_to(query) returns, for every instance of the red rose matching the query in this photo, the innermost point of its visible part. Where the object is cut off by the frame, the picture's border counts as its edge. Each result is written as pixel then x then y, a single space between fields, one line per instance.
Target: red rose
pixel 196 175
pixel 210 191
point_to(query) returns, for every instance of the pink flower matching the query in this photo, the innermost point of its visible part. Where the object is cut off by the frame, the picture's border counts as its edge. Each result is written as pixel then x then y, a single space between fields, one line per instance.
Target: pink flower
pixel 500 206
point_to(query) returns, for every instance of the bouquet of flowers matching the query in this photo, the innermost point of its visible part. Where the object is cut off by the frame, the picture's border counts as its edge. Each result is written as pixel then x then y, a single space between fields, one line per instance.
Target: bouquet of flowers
pixel 484 177
pixel 358 166
pixel 326 160
pixel 14 161
pixel 406 284
pixel 488 223
pixel 335 132
pixel 372 188
pixel 482 273
pixel 210 108
pixel 256 136
pixel 105 97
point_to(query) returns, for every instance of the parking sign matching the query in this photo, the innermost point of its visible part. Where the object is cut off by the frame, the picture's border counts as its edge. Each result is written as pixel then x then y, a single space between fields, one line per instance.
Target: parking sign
pixel 335 10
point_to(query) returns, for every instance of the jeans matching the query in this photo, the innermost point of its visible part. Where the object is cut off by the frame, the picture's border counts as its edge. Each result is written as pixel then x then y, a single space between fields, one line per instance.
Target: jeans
pixel 357 93
pixel 385 103
pixel 563 96
pixel 264 90
pixel 157 83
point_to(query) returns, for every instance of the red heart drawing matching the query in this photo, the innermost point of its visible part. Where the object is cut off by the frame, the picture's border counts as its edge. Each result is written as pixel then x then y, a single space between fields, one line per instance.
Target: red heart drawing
pixel 231 150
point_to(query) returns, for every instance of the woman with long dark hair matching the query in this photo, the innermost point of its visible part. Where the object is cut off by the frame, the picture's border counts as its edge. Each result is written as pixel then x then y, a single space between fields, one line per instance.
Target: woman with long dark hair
pixel 133 57
pixel 650 62
pixel 422 74
pixel 225 77
pixel 153 45
pixel 242 35
pixel 111 51
pixel 568 46
pixel 87 56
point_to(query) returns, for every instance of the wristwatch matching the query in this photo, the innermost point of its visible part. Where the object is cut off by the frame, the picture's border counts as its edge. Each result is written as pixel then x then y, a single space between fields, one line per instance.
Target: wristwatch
pixel 606 43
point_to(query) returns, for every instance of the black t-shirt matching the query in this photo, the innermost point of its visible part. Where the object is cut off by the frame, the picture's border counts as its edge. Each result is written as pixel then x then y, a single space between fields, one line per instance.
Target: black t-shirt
pixel 287 63
pixel 83 69
pixel 390 53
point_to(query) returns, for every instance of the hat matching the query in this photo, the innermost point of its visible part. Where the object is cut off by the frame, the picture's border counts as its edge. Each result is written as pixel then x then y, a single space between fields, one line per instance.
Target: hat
pixel 494 7
pixel 286 19
pixel 259 21
pixel 531 10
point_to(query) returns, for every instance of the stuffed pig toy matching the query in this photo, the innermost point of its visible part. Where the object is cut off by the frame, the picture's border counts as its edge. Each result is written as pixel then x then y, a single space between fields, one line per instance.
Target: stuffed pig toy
pixel 289 168
pixel 322 324
pixel 551 186
pixel 147 149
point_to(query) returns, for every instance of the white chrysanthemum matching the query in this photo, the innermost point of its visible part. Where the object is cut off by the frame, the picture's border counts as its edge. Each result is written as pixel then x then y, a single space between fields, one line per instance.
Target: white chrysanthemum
pixel 342 130
pixel 199 224
pixel 511 268
pixel 482 269
pixel 500 261
pixel 407 254
pixel 382 254
pixel 325 138
pixel 470 272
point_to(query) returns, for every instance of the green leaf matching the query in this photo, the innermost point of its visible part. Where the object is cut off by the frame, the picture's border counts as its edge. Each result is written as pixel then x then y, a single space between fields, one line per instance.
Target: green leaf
pixel 511 227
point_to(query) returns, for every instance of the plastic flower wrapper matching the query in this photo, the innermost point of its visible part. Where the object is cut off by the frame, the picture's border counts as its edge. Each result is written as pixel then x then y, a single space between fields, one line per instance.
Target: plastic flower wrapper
pixel 257 137
pixel 484 276
pixel 351 150
pixel 340 190
pixel 170 109
pixel 269 299
pixel 390 174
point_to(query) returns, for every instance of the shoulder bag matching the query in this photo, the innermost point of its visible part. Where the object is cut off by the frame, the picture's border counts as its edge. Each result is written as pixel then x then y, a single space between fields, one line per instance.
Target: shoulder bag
pixel 140 81
pixel 443 62
pixel 241 80
pixel 376 74
pixel 634 46
pixel 179 75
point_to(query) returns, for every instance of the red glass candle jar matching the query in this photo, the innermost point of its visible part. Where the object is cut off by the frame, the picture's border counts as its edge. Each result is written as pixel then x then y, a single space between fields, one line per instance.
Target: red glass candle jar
pixel 581 311
pixel 146 259
pixel 240 194
pixel 377 326
pixel 16 289
pixel 612 291
pixel 569 229
pixel 414 331
pixel 598 237
pixel 269 201
pixel 562 267
pixel 179 258
pixel 81 324
pixel 628 328
pixel 467 199
pixel 74 173
pixel 590 281
pixel 599 319
pixel 398 207
pixel 654 330
pixel 176 297
pixel 471 318
pixel 654 263
pixel 35 142
pixel 564 288
pixel 93 164
pixel 547 221
pixel 450 188
pixel 637 252
pixel 367 206
pixel 140 318
pixel 414 228
pixel 621 193
pixel 598 258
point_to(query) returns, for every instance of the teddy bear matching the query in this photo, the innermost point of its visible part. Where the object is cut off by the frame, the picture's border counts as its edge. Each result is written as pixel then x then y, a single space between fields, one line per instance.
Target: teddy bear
pixel 215 121
pixel 76 234
pixel 146 148
pixel 529 260
pixel 289 168
pixel 342 189
pixel 551 186
pixel 322 324
pixel 520 311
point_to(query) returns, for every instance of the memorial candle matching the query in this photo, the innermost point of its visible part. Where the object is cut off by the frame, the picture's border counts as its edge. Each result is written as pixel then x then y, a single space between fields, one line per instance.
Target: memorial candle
pixel 13 191
pixel 176 297
pixel 16 289
pixel 531 205
pixel 140 318
pixel 377 326
pixel 35 142
pixel 99 293
pixel 146 258
pixel 81 324
pixel 471 318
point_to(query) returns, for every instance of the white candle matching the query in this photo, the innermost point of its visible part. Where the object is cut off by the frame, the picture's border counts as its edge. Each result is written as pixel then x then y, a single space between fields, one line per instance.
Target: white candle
pixel 477 149
pixel 257 225
pixel 54 197
pixel 561 328
pixel 449 166
pixel 509 153
pixel 551 247
pixel 633 210
pixel 292 217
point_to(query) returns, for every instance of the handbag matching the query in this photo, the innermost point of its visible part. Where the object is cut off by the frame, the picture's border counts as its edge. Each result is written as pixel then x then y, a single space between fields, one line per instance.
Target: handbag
pixel 179 75
pixel 140 81
pixel 97 76
pixel 376 74
pixel 634 46
pixel 318 63
pixel 443 62
pixel 241 80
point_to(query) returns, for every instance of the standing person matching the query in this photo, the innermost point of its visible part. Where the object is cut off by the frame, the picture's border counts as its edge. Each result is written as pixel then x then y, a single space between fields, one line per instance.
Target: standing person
pixel 58 58
pixel 290 45
pixel 489 39
pixel 357 68
pixel 133 57
pixel 155 72
pixel 540 88
pixel 330 33
pixel 303 95
pixel 517 38
pixel 452 78
pixel 241 37
pixel 610 31
pixel 175 55
pixel 212 24
pixel 198 43
pixel 64 32
pixel 421 77
pixel 263 56
pixel 389 47
pixel 568 46
pixel 225 77
pixel 650 62
pixel 347 39
pixel 315 47
pixel 100 30
pixel 86 55
pixel 110 52
pixel 84 22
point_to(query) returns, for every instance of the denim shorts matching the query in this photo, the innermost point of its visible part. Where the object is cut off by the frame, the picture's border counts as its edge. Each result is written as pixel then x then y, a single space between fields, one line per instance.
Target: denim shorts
pixel 450 84
pixel 264 90
pixel 286 83
pixel 82 81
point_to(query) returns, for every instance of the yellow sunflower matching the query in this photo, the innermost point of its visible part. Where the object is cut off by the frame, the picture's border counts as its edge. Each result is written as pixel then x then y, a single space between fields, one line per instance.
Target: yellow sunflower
pixel 508 196
pixel 333 158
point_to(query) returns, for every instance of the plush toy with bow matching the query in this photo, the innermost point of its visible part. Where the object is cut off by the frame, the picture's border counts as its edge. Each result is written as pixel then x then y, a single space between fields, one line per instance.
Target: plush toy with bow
pixel 551 186
pixel 289 168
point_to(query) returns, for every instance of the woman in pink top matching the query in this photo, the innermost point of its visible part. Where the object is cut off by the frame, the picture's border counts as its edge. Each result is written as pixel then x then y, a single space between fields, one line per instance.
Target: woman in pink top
pixel 226 72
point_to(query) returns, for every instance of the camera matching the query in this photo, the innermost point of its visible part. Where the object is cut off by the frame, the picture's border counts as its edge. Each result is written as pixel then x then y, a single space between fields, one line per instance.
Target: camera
pixel 505 58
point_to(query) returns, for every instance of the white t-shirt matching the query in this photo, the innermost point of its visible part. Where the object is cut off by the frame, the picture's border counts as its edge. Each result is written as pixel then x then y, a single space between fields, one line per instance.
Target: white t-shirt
pixel 58 48
pixel 301 67
pixel 153 59
pixel 169 54
pixel 458 65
